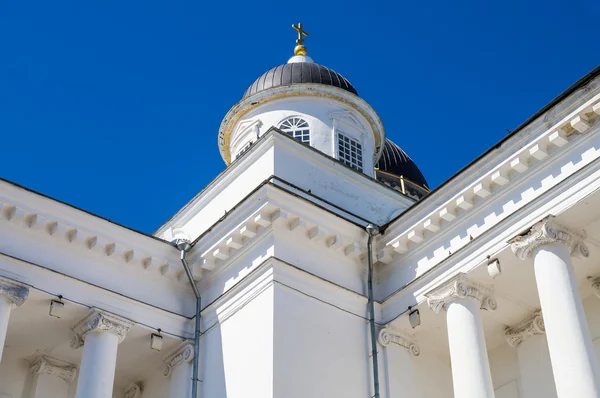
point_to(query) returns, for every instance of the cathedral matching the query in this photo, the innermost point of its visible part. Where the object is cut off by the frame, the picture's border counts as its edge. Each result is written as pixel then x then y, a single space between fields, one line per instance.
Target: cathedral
pixel 319 264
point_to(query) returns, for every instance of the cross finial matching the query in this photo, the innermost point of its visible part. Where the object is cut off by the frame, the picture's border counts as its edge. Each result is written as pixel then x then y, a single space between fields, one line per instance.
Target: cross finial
pixel 300 49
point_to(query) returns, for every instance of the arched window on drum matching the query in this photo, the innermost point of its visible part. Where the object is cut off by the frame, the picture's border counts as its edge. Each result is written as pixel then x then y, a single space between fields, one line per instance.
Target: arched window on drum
pixel 296 128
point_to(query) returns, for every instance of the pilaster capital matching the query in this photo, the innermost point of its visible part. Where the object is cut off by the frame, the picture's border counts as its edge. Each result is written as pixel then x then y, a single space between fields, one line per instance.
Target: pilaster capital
pixel 134 391
pixel 389 335
pixel 13 292
pixel 531 326
pixel 53 367
pixel 595 284
pixel 183 353
pixel 460 287
pixel 100 321
pixel 546 232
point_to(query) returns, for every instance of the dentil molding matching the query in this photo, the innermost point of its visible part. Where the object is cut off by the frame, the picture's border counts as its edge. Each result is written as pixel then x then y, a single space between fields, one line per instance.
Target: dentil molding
pixel 389 335
pixel 53 367
pixel 134 391
pixel 530 326
pixel 100 321
pixel 460 287
pixel 183 353
pixel 13 292
pixel 546 232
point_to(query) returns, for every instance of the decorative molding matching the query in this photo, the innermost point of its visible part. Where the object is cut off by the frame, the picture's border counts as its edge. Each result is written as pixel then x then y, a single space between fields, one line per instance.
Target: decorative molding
pixel 595 284
pixel 460 287
pixel 99 321
pixel 53 367
pixel 13 292
pixel 107 246
pixel 530 326
pixel 389 335
pixel 546 232
pixel 134 391
pixel 183 353
pixel 507 172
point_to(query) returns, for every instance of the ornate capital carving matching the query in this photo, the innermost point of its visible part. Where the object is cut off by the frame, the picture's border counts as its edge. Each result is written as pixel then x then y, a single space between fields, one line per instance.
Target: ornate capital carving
pixel 183 353
pixel 54 367
pixel 13 292
pixel 530 326
pixel 99 321
pixel 134 391
pixel 595 284
pixel 389 335
pixel 460 287
pixel 546 232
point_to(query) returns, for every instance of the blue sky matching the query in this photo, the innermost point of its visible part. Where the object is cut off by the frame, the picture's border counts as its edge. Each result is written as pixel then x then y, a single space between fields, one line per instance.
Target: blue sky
pixel 114 106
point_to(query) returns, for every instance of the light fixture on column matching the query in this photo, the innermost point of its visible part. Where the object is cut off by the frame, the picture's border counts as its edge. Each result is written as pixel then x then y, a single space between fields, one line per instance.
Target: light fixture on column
pixel 156 341
pixel 414 317
pixel 57 308
pixel 494 268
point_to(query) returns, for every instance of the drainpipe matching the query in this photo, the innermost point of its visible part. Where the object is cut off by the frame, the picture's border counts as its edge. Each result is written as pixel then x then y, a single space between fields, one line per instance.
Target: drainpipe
pixel 184 246
pixel 372 231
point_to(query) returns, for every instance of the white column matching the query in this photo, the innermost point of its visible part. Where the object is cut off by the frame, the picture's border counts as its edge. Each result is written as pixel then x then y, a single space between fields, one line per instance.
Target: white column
pixel 574 363
pixel 100 333
pixel 11 295
pixel 528 337
pixel 399 351
pixel 51 378
pixel 462 299
pixel 179 367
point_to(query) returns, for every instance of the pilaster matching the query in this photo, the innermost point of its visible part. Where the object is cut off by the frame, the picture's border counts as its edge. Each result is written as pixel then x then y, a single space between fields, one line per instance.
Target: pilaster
pixel 546 232
pixel 389 335
pixel 530 326
pixel 183 353
pixel 53 367
pixel 460 287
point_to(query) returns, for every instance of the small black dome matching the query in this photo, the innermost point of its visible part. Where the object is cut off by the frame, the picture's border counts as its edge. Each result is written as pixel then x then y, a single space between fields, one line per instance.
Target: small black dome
pixel 298 72
pixel 395 161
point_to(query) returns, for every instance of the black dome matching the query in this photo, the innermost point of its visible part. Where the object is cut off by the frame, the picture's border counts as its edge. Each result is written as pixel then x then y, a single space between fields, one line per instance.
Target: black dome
pixel 299 72
pixel 395 161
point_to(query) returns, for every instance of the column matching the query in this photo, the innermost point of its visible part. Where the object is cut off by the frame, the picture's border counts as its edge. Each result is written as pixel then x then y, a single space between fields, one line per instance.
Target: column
pixel 11 295
pixel 399 351
pixel 51 378
pixel 100 333
pixel 528 337
pixel 574 363
pixel 462 300
pixel 179 367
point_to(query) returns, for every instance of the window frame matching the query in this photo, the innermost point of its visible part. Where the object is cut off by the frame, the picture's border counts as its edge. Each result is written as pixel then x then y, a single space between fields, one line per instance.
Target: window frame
pixel 353 158
pixel 297 130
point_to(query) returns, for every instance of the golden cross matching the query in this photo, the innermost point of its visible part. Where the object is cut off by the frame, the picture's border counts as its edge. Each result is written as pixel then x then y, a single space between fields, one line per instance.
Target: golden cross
pixel 300 39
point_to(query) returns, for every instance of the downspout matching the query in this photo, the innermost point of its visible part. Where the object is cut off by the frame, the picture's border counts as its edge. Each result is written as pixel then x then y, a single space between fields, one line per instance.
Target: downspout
pixel 184 246
pixel 372 231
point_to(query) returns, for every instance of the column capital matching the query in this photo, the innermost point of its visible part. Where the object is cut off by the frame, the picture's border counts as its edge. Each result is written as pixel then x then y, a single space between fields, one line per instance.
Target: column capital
pixel 460 287
pixel 54 367
pixel 389 335
pixel 183 353
pixel 134 391
pixel 531 326
pixel 13 292
pixel 100 321
pixel 546 232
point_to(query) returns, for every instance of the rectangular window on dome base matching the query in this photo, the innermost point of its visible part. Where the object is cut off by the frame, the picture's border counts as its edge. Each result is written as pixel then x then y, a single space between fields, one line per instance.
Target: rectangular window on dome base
pixel 350 152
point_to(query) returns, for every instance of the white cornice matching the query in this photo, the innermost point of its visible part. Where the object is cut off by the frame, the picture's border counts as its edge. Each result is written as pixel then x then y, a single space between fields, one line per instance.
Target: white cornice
pixel 484 188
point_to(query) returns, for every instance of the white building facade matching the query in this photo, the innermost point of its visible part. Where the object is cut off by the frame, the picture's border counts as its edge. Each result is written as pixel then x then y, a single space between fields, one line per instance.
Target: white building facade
pixel 488 286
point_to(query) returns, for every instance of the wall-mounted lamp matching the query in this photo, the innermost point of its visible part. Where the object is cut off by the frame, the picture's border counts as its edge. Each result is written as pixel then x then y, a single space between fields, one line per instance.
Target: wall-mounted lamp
pixel 494 268
pixel 57 308
pixel 414 317
pixel 156 341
